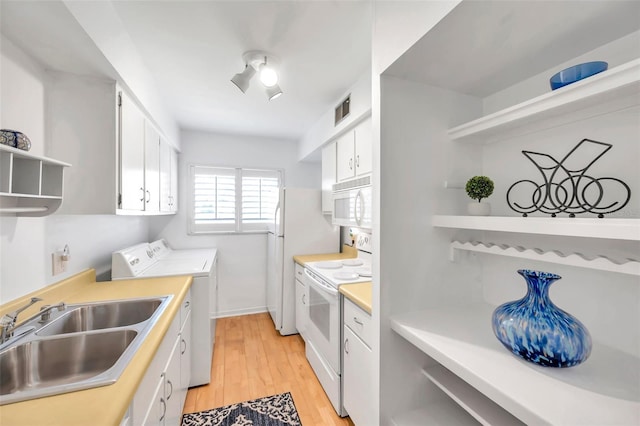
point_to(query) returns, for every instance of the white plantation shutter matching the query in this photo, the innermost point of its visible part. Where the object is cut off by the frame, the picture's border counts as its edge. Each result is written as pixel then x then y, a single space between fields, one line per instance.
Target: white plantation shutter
pixel 232 199
pixel 260 192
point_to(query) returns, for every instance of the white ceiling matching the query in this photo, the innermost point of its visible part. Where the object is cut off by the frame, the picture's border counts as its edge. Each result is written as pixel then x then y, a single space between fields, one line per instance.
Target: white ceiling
pixel 527 38
pixel 193 48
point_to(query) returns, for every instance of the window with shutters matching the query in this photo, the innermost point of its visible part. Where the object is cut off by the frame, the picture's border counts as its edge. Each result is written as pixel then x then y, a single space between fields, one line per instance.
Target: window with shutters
pixel 232 199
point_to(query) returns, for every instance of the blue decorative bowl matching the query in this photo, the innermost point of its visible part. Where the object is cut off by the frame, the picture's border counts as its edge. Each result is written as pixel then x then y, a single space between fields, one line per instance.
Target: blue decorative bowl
pixel 577 73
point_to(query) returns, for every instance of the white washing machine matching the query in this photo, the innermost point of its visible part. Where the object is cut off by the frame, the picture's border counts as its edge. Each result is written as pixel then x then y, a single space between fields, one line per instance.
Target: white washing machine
pixel 158 259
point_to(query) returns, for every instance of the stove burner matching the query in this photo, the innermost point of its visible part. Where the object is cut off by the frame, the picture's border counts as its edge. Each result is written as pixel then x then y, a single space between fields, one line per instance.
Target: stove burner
pixel 363 272
pixel 329 265
pixel 346 275
pixel 352 262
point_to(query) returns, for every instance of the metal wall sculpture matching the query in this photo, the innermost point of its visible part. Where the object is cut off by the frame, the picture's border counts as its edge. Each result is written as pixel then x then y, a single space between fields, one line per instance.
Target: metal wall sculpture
pixel 566 188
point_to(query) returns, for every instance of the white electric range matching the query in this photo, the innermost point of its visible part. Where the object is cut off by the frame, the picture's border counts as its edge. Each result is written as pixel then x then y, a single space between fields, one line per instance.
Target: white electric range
pixel 324 330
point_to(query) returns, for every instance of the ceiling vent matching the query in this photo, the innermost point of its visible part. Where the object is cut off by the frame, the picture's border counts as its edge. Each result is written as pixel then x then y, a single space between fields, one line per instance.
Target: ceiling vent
pixel 342 110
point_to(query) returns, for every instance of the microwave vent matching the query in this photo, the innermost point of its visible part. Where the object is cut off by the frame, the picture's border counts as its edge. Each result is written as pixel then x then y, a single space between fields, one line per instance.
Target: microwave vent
pixel 353 183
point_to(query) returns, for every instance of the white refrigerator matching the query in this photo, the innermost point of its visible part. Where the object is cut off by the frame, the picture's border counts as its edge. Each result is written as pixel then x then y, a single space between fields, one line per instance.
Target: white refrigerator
pixel 299 228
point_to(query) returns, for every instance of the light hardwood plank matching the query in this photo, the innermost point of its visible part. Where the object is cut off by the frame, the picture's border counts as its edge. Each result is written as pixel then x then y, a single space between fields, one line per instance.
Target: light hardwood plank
pixel 252 360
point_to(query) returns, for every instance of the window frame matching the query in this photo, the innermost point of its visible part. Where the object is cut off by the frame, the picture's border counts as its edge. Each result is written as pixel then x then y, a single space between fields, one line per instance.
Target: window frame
pixel 237 227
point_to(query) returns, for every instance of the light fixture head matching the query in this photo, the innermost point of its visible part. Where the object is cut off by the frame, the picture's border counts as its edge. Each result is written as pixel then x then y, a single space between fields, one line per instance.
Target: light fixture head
pixel 266 65
pixel 273 92
pixel 243 79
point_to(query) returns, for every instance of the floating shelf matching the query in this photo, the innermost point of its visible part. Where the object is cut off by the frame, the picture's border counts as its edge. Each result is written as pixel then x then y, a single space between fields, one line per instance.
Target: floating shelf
pixel 481 408
pixel 440 413
pixel 615 229
pixel 30 185
pixel 605 389
pixel 601 263
pixel 567 104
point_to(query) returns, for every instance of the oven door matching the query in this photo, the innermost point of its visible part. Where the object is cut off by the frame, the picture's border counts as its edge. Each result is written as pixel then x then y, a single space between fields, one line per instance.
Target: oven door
pixel 323 327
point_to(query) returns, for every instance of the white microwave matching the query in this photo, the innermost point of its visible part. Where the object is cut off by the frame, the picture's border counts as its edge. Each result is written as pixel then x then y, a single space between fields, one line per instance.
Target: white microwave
pixel 353 207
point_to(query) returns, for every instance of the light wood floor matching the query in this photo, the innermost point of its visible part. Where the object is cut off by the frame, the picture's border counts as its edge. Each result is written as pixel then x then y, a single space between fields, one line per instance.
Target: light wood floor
pixel 252 360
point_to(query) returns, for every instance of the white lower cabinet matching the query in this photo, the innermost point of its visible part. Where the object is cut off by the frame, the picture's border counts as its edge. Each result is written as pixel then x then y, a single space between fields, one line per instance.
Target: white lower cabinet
pixel 302 307
pixel 357 364
pixel 160 397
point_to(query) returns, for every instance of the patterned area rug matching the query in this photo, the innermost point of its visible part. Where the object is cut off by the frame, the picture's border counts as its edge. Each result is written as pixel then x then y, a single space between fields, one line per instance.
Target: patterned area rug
pixel 276 410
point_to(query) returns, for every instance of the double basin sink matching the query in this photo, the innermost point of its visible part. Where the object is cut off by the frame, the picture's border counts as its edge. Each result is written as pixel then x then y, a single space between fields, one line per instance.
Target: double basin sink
pixel 86 345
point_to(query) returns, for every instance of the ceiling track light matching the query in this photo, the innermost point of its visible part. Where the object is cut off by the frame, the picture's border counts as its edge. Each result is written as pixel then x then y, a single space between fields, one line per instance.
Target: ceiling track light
pixel 265 65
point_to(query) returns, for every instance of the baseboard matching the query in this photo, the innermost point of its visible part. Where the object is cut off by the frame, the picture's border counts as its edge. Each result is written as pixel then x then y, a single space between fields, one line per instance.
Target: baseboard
pixel 245 311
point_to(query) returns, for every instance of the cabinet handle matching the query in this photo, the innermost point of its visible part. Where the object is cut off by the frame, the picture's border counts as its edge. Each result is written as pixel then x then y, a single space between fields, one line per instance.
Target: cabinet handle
pixel 299 272
pixel 142 189
pixel 357 321
pixel 357 160
pixel 170 390
pixel 149 195
pixel 185 347
pixel 164 408
pixel 304 302
pixel 346 346
pixel 186 304
pixel 350 163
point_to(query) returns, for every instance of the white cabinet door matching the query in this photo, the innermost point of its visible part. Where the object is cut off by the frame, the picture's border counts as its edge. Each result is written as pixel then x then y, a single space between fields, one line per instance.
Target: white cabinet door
pixel 131 155
pixel 172 387
pixel 345 166
pixel 158 409
pixel 185 358
pixel 174 181
pixel 151 168
pixel 302 307
pixel 165 175
pixel 357 380
pixel 364 148
pixel 328 176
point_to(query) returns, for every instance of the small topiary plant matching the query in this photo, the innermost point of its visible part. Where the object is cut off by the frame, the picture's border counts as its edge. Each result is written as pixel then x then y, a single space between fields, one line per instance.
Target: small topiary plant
pixel 479 187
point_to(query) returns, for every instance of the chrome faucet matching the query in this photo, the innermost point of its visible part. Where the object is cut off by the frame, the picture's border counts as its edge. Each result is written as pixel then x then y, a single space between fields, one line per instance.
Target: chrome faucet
pixel 8 321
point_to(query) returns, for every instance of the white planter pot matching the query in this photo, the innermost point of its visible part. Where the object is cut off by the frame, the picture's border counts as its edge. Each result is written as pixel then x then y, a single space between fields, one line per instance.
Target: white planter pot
pixel 479 209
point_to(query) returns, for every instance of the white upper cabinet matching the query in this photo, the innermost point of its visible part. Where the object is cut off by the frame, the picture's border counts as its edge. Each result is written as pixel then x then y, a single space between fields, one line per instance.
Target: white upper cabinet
pixel 354 152
pixel 112 144
pixel 328 176
pixel 168 177
pixel 132 155
pixel 363 148
pixel 151 168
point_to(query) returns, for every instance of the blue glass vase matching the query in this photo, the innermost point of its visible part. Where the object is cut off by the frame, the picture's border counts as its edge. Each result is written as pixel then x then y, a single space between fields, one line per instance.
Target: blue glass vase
pixel 537 330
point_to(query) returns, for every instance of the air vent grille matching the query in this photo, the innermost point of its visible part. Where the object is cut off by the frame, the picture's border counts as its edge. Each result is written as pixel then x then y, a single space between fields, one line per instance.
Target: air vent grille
pixel 342 110
pixel 353 183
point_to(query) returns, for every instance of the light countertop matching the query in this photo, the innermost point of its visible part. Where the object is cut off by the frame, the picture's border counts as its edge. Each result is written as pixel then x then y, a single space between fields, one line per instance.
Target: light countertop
pixel 104 405
pixel 348 252
pixel 359 293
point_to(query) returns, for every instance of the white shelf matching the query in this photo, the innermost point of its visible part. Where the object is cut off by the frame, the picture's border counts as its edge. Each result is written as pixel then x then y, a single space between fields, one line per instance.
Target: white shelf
pixel 601 263
pixel 30 185
pixel 441 413
pixel 473 402
pixel 562 105
pixel 616 229
pixel 605 389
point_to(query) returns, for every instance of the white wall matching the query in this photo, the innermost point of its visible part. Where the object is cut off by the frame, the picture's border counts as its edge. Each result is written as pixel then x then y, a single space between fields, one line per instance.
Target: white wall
pixel 26 243
pixel 325 130
pixel 242 259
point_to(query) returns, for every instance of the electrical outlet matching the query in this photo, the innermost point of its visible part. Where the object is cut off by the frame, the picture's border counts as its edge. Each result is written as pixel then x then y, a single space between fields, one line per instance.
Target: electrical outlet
pixel 58 265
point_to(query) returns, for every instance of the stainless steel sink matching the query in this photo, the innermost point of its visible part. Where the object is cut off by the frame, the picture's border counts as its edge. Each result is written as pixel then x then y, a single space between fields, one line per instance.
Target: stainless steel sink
pixel 40 364
pixel 87 345
pixel 99 316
